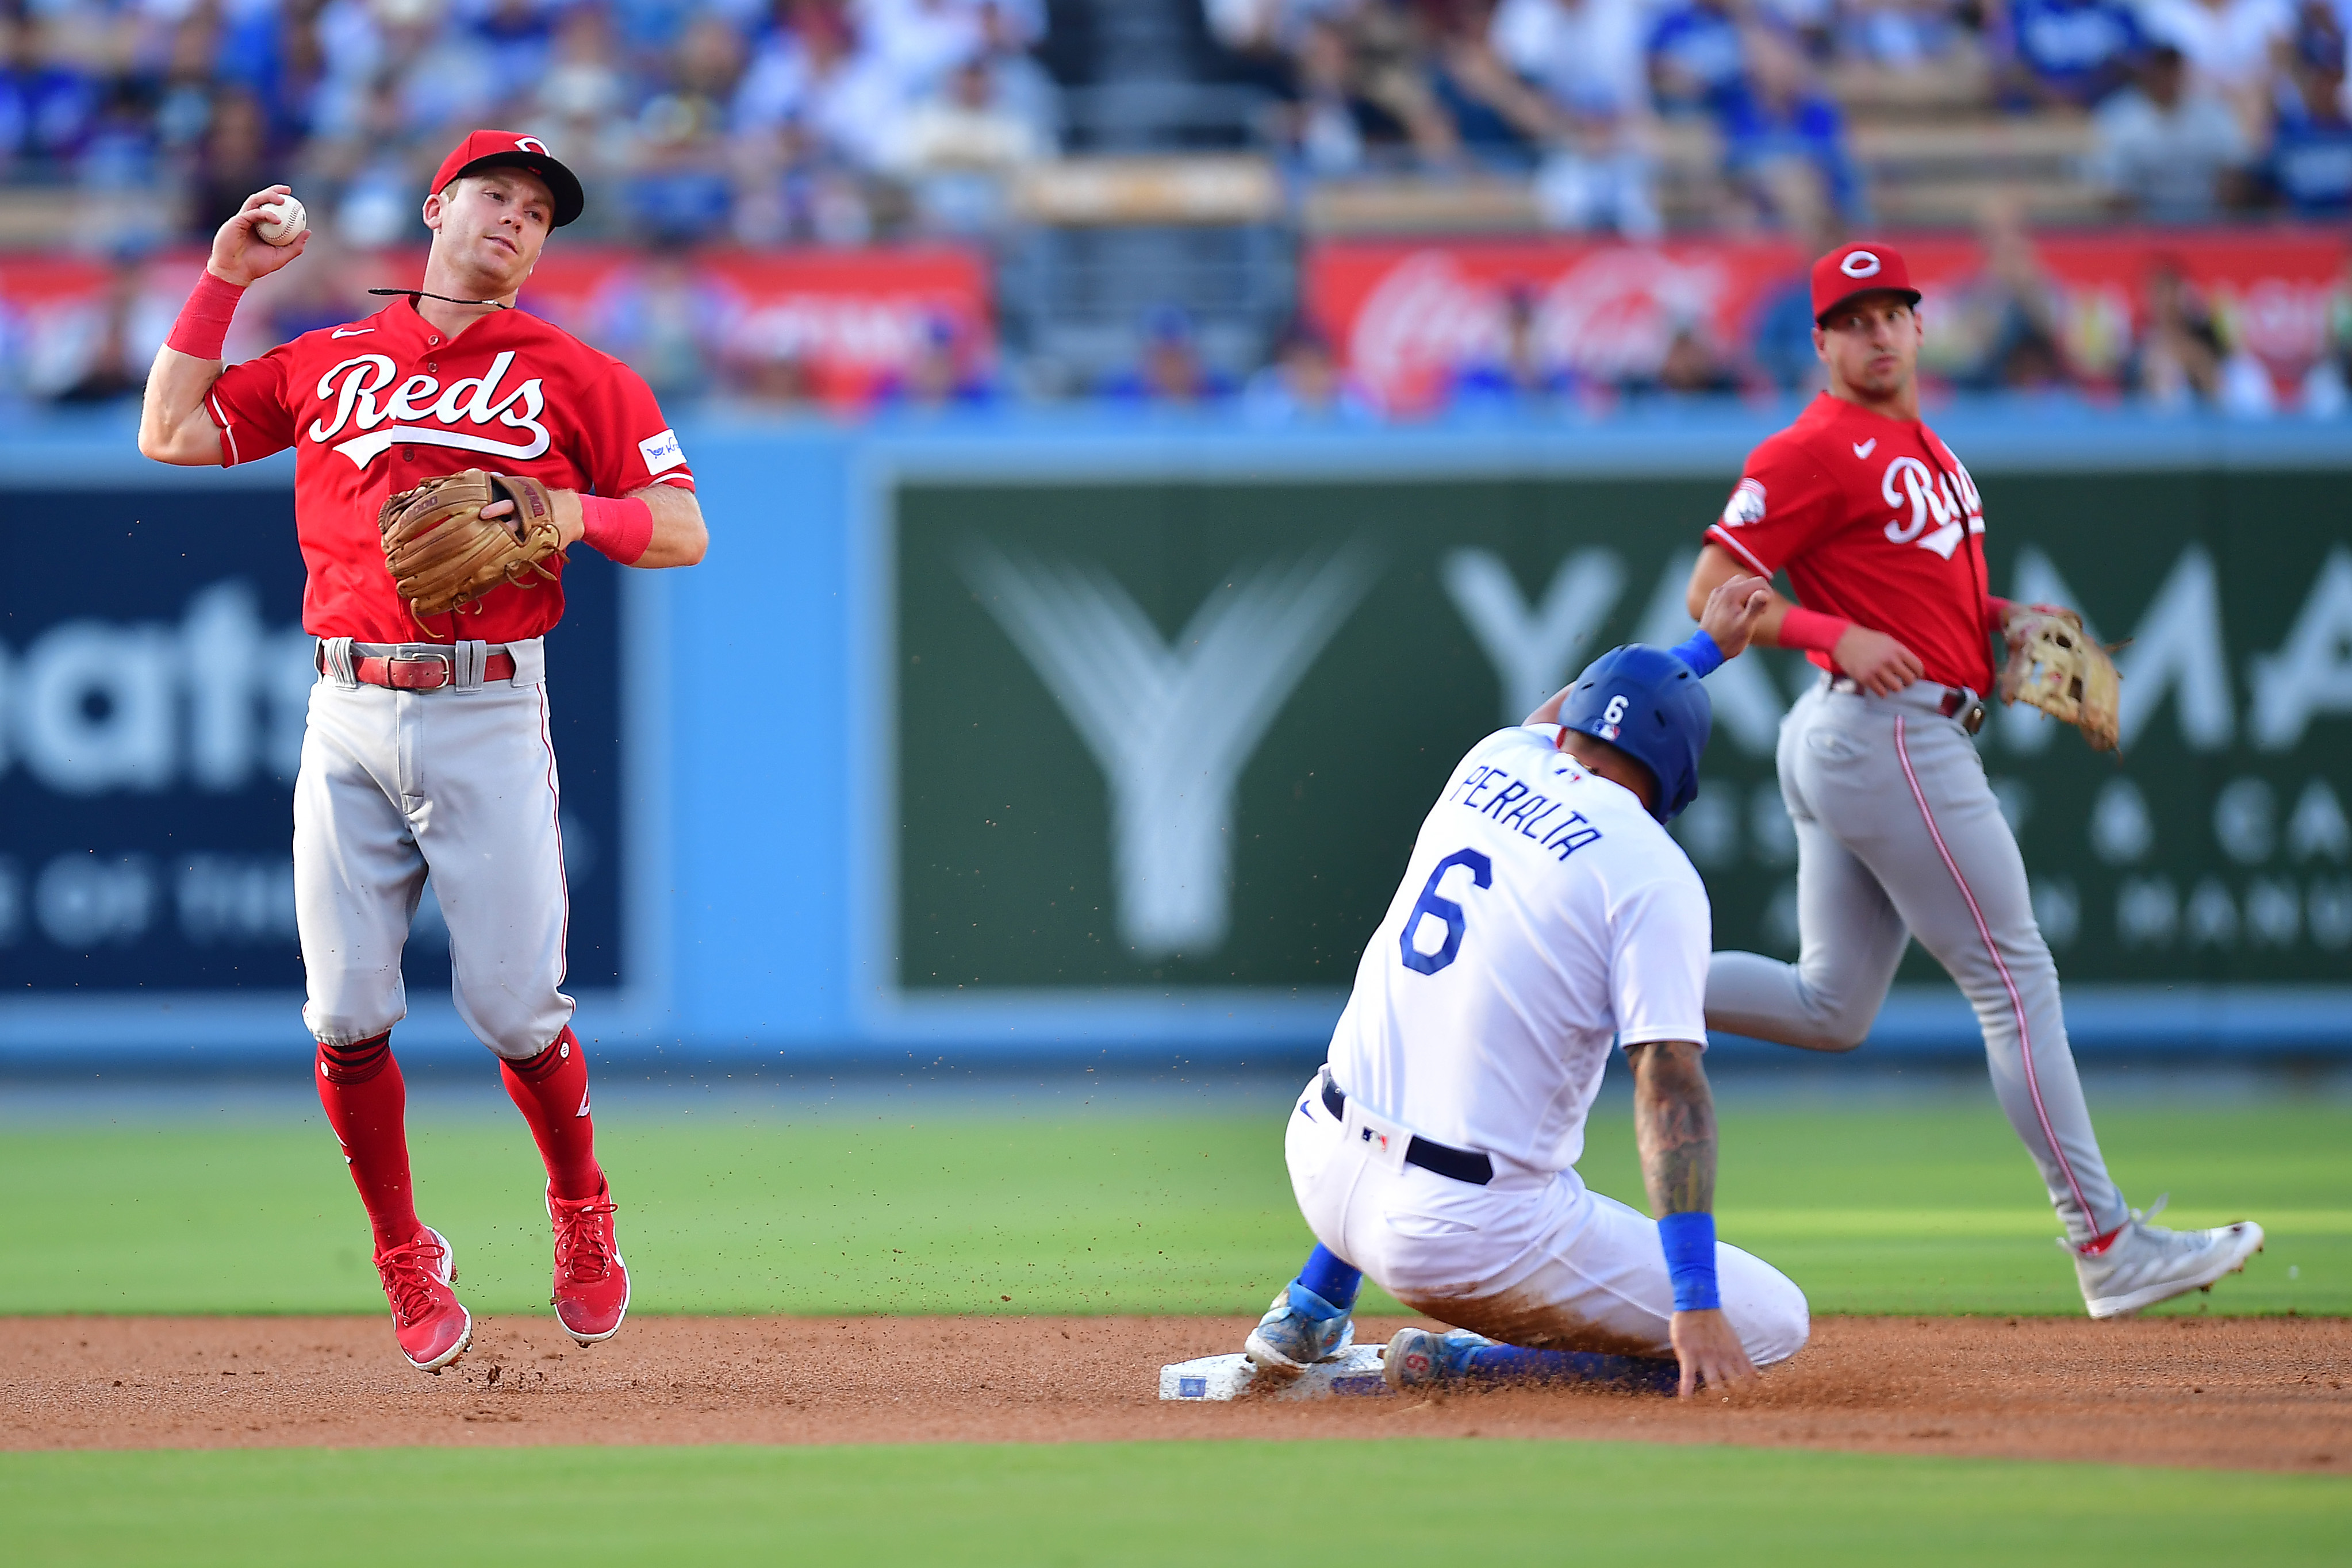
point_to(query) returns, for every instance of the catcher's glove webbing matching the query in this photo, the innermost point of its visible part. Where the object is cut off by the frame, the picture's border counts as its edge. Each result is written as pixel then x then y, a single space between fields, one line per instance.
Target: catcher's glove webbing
pixel 2056 668
pixel 443 554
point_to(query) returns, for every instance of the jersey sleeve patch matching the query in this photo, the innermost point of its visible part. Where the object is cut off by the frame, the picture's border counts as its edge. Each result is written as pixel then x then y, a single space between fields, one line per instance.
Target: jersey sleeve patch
pixel 661 452
pixel 1746 506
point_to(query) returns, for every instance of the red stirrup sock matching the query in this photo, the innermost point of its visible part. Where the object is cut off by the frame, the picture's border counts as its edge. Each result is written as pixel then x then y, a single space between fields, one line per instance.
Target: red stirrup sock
pixel 550 1089
pixel 366 1104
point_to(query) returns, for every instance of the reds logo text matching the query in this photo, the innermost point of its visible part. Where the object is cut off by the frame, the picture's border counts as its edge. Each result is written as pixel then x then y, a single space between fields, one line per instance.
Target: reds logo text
pixel 1931 500
pixel 470 400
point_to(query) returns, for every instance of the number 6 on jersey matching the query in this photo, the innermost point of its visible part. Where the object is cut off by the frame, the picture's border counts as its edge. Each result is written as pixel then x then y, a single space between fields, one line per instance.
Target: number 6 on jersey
pixel 1436 906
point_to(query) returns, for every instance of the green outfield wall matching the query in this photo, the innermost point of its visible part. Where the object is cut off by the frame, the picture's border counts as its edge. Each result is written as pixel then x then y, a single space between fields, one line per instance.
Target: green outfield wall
pixel 1107 738
pixel 1188 727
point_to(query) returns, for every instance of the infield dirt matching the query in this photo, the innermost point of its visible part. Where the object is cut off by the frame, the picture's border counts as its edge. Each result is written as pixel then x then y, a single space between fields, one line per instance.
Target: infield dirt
pixel 2243 1393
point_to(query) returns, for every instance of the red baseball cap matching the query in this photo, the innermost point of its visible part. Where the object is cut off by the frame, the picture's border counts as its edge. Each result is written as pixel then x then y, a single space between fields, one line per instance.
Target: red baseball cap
pixel 512 149
pixel 1864 266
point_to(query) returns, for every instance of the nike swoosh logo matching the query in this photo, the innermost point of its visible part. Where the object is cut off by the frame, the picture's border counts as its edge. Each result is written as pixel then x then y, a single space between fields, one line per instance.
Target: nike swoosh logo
pixel 583 1108
pixel 1861 448
pixel 348 331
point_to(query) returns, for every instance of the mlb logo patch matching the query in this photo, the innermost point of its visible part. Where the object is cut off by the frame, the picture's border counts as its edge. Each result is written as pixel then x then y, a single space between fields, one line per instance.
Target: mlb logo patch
pixel 661 452
pixel 1191 1388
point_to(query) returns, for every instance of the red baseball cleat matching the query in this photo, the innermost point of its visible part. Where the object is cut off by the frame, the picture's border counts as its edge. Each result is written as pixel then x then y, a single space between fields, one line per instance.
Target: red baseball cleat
pixel 433 1326
pixel 592 1283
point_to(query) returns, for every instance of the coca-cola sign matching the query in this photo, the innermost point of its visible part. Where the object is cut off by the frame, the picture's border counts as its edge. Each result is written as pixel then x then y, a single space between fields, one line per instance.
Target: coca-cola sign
pixel 1414 320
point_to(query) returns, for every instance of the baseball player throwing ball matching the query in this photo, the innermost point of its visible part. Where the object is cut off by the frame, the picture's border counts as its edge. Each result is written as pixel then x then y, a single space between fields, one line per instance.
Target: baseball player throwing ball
pixel 1898 835
pixel 1546 912
pixel 448 450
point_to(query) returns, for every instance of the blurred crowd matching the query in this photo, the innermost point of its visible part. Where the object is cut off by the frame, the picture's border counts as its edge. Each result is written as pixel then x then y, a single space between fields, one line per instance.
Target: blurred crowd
pixel 773 121
pixel 764 121
pixel 2195 107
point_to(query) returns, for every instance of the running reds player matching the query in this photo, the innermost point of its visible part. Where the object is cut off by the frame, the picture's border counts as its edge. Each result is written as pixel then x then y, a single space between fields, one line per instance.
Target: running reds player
pixel 1881 531
pixel 427 745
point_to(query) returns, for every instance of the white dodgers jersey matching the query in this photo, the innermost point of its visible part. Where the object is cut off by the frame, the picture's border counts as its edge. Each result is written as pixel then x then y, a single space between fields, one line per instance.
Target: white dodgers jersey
pixel 1544 913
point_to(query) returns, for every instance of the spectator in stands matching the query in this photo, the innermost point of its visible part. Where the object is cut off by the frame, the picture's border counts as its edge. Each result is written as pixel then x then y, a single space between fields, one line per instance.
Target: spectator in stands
pixel 941 373
pixel 2167 150
pixel 234 163
pixel 1359 98
pixel 1691 368
pixel 1171 369
pixel 2326 388
pixel 518 39
pixel 666 319
pixel 1782 132
pixel 583 97
pixel 2000 326
pixel 47 100
pixel 1585 55
pixel 2067 54
pixel 1697 57
pixel 99 351
pixel 2232 48
pixel 1496 116
pixel 1906 37
pixel 956 147
pixel 2183 360
pixel 1304 384
pixel 812 74
pixel 2311 144
pixel 680 183
pixel 1512 367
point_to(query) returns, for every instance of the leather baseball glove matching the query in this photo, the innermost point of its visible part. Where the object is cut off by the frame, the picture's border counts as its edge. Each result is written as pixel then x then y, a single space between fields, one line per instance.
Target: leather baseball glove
pixel 2054 667
pixel 444 554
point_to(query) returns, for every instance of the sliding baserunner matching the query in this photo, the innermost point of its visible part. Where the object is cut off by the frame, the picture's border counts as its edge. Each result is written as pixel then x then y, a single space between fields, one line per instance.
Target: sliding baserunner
pixel 1545 914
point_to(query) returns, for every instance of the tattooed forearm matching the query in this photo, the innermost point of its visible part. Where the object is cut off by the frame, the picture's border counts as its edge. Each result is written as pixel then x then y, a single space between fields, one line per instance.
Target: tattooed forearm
pixel 1673 1124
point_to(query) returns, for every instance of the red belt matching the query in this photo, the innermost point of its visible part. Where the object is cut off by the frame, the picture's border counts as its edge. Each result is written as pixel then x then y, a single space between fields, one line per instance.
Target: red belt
pixel 417 671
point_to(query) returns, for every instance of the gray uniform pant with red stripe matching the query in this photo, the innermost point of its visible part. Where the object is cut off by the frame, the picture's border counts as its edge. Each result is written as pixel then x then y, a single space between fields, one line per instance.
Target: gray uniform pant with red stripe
pixel 459 782
pixel 1898 835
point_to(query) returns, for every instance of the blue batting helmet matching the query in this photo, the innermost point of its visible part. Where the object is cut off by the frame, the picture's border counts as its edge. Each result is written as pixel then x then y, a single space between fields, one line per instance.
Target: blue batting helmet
pixel 1647 704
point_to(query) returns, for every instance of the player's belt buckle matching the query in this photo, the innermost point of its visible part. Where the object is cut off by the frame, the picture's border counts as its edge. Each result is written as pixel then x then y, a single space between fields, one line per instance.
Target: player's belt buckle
pixel 418 672
pixel 1966 707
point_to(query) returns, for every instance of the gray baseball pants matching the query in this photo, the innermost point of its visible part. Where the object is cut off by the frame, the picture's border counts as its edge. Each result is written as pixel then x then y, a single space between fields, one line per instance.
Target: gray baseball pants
pixel 1898 835
pixel 459 782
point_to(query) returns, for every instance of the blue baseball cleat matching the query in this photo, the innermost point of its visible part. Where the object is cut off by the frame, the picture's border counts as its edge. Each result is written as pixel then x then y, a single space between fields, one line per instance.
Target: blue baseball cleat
pixel 1299 1330
pixel 1420 1358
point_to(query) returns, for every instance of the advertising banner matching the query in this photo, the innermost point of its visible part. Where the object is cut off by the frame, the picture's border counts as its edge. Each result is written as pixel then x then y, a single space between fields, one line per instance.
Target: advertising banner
pixel 1176 736
pixel 1411 318
pixel 154 682
pixel 839 327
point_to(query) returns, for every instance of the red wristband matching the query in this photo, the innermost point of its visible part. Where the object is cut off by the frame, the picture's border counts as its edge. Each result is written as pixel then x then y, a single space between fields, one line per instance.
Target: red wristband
pixel 203 326
pixel 1811 629
pixel 619 528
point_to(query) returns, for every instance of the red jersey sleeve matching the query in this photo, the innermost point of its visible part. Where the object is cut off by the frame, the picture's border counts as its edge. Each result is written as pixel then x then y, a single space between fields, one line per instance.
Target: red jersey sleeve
pixel 1784 499
pixel 631 445
pixel 249 403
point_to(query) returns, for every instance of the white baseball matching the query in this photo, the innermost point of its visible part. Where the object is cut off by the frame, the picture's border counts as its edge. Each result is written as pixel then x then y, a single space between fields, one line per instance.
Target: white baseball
pixel 282 221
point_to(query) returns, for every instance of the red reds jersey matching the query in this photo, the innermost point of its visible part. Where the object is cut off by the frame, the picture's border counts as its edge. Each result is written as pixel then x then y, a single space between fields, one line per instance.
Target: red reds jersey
pixel 376 406
pixel 1877 523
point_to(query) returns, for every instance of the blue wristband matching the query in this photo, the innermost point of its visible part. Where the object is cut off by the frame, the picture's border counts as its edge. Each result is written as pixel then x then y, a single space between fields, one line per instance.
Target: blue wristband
pixel 1699 652
pixel 1689 1243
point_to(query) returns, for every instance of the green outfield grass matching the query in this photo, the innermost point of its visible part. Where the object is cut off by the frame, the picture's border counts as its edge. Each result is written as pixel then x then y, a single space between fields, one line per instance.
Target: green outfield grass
pixel 1908 1208
pixel 1298 1504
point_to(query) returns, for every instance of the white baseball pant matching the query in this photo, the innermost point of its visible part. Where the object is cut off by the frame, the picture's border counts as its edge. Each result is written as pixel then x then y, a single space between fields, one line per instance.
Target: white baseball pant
pixel 1899 835
pixel 459 782
pixel 1533 1258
